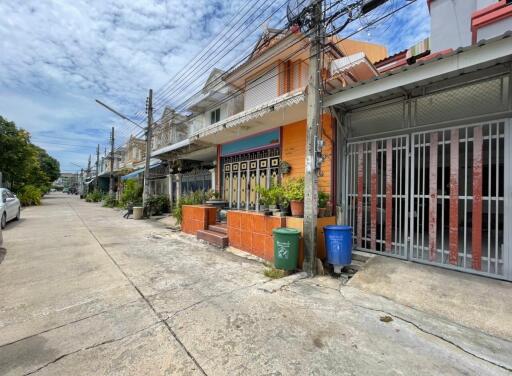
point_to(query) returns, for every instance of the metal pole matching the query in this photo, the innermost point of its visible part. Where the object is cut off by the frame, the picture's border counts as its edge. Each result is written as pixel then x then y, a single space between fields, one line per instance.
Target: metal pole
pixel 111 185
pixel 146 192
pixel 313 123
pixel 97 182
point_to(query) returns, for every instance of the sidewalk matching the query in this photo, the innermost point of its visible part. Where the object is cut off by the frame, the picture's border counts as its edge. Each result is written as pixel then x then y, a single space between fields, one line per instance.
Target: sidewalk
pixel 86 292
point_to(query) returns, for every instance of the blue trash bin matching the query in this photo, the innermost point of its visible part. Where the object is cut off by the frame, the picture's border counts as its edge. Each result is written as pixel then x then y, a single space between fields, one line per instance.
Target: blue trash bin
pixel 338 243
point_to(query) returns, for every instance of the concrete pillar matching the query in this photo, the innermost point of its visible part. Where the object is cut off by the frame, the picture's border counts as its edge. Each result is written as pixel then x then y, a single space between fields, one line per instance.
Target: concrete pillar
pixel 213 173
pixel 178 187
pixel 169 189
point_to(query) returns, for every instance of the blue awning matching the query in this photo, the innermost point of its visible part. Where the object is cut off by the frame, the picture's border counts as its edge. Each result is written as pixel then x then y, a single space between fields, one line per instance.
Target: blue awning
pixel 136 173
pixel 133 175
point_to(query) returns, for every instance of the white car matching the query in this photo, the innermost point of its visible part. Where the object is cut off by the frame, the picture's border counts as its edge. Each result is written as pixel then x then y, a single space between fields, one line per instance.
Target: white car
pixel 10 207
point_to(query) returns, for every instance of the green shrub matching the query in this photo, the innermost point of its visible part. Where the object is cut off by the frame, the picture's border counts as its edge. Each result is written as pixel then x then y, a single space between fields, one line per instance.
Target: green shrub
pixel 110 201
pixel 193 198
pixel 30 195
pixel 294 189
pixel 323 198
pixel 132 194
pixel 94 196
pixel 157 205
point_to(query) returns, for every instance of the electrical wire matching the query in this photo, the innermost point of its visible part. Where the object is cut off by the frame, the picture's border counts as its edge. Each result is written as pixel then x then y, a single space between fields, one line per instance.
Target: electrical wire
pixel 339 41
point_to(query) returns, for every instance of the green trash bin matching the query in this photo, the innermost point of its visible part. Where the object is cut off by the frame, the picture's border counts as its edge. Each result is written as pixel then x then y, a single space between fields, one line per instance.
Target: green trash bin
pixel 286 248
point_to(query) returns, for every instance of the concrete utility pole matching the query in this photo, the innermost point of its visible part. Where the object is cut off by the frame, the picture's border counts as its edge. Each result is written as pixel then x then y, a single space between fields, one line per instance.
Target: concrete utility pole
pixel 111 185
pixel 97 182
pixel 149 110
pixel 313 143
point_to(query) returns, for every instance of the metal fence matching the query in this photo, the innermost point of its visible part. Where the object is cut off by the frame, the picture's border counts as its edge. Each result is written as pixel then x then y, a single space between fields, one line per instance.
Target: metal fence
pixel 428 177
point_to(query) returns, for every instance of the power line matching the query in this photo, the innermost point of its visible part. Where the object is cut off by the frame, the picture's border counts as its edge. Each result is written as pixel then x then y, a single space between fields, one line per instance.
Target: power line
pixel 336 43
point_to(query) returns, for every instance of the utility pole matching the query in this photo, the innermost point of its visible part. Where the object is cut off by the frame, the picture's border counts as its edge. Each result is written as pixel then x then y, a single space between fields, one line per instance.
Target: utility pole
pixel 89 167
pixel 97 182
pixel 313 143
pixel 111 185
pixel 149 111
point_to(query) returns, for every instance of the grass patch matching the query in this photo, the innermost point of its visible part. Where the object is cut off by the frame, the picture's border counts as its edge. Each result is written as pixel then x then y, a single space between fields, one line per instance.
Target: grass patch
pixel 275 273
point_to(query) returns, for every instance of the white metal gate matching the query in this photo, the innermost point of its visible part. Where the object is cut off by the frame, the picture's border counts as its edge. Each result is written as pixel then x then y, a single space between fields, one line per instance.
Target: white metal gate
pixel 458 198
pixel 376 194
pixel 437 197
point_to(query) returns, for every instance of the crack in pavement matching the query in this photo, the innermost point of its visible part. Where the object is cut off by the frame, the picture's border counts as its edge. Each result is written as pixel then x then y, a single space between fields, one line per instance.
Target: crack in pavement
pixel 68 323
pixel 173 334
pixel 423 330
pixel 210 298
pixel 112 340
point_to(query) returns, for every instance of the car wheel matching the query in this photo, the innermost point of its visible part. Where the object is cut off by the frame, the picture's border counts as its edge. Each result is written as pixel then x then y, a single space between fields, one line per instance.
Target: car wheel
pixel 18 216
pixel 3 222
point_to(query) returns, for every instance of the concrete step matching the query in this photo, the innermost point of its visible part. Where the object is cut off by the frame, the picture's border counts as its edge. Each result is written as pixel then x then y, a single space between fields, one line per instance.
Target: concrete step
pixel 215 238
pixel 219 227
pixel 362 256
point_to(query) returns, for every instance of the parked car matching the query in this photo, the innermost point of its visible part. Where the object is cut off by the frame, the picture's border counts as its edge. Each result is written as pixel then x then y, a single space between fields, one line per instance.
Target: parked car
pixel 10 207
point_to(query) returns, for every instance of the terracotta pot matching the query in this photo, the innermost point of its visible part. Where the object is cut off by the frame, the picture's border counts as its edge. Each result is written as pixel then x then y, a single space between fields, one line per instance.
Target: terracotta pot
pixel 297 208
pixel 322 212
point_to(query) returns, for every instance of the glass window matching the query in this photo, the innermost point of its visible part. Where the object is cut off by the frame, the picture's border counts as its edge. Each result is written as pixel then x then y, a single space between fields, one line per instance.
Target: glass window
pixel 215 116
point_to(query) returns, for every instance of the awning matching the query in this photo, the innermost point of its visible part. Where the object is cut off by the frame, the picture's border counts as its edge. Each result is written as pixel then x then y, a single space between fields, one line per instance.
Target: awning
pixel 478 56
pixel 169 148
pixel 136 173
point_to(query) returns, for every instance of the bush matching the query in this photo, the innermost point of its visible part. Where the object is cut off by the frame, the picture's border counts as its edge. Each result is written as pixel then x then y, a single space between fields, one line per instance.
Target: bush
pixel 110 201
pixel 30 195
pixel 193 198
pixel 157 205
pixel 323 199
pixel 294 189
pixel 132 194
pixel 94 196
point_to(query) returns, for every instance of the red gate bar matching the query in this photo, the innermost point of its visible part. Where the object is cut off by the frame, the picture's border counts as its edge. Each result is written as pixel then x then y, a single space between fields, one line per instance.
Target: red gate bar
pixel 432 225
pixel 359 195
pixel 373 192
pixel 476 228
pixel 454 197
pixel 389 195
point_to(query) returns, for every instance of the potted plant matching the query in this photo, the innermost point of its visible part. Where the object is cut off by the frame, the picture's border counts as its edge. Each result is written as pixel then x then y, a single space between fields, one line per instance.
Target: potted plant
pixel 265 199
pixel 294 193
pixel 323 198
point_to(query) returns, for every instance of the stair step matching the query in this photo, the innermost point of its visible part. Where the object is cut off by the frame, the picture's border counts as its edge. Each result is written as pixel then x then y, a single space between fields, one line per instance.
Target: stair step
pixel 213 237
pixel 361 256
pixel 223 229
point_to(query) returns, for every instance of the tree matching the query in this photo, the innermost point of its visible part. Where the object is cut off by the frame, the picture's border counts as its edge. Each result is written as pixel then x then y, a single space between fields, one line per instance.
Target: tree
pixel 23 163
pixel 49 165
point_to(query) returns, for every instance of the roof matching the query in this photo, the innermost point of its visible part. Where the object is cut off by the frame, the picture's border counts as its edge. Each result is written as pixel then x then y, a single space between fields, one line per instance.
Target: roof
pixel 464 59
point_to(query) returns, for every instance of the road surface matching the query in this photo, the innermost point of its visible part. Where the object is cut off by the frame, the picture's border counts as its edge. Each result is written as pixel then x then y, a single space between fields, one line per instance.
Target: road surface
pixel 85 292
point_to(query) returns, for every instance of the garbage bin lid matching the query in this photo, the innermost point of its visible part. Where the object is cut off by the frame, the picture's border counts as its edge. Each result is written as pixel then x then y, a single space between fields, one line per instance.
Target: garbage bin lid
pixel 286 231
pixel 338 227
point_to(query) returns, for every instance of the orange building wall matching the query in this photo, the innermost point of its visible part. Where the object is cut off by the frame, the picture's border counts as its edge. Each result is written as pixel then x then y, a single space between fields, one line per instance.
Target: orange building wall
pixel 293 145
pixel 374 52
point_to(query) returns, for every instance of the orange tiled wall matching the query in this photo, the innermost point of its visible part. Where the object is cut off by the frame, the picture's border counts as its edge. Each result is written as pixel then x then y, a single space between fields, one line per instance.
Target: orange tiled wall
pixel 252 232
pixel 197 217
pixel 294 149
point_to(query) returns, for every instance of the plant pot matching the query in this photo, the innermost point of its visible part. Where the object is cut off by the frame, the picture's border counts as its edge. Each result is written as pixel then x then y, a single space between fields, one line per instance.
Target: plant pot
pixel 322 212
pixel 272 207
pixel 297 208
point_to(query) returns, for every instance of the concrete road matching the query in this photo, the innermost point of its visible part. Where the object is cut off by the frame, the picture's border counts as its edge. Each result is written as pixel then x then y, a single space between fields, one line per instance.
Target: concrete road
pixel 85 292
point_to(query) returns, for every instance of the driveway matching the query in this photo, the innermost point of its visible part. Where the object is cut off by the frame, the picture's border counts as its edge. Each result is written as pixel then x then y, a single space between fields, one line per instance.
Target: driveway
pixel 85 292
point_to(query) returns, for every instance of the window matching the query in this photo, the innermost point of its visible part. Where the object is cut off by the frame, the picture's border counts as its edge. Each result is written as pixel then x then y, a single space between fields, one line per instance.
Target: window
pixel 215 116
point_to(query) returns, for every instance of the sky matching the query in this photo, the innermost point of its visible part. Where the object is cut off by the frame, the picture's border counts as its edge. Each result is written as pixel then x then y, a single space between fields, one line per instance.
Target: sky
pixel 56 57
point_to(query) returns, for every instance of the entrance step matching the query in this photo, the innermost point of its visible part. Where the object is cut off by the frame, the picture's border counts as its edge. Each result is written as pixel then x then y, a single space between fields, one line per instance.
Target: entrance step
pixel 215 238
pixel 219 227
pixel 362 256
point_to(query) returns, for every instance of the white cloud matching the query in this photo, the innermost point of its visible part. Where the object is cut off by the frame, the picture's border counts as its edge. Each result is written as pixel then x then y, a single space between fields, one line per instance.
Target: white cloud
pixel 58 56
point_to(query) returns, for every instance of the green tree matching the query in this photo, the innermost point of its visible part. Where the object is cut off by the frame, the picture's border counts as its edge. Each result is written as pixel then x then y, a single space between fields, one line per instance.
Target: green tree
pixel 23 163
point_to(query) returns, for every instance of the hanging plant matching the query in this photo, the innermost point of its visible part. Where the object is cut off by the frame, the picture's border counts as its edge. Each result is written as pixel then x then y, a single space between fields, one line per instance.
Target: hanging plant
pixel 284 167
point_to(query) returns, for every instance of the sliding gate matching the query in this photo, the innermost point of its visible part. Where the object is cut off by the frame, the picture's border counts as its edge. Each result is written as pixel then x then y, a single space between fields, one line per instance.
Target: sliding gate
pixel 436 197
